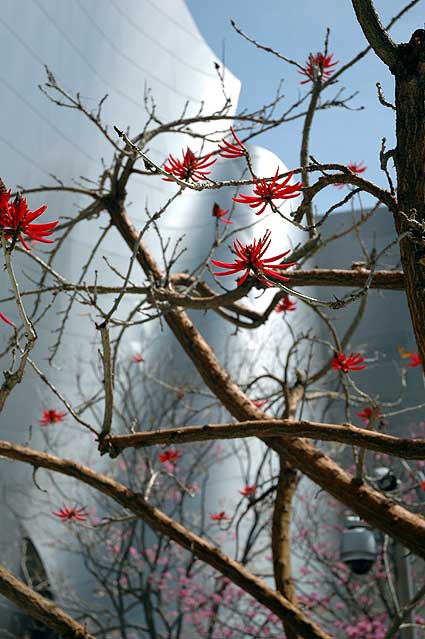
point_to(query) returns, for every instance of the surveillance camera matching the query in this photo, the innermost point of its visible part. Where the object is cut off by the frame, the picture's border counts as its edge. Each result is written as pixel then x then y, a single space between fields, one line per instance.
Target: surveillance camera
pixel 358 546
pixel 360 566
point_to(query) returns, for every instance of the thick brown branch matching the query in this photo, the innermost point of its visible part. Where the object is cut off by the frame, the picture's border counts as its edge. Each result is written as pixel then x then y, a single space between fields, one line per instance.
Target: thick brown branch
pixel 287 428
pixel 281 542
pixel 40 608
pixel 305 144
pixel 383 195
pixel 108 380
pixel 377 509
pixel 376 35
pixel 159 521
pixel 356 277
pixel 410 165
pixel 388 280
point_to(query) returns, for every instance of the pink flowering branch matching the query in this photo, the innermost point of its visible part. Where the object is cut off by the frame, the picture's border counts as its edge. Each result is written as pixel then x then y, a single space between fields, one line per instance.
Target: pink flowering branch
pixel 161 523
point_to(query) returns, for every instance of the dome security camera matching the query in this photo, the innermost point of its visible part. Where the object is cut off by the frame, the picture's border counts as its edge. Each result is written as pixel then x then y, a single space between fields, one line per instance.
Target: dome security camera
pixel 358 546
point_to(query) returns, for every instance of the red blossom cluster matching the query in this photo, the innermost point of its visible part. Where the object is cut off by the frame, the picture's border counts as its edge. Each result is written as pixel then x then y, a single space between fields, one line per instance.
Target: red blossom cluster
pixel 51 416
pixel 250 258
pixel 221 516
pixel 249 491
pixel 265 191
pixel 71 513
pixel 170 456
pixel 346 363
pixel 285 304
pixel 367 413
pixel 355 167
pixel 259 403
pixel 230 150
pixel 219 213
pixel 318 67
pixel 191 168
pixel 415 360
pixel 16 220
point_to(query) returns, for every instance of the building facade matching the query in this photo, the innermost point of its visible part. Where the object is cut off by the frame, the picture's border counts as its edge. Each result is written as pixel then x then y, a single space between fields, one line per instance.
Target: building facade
pixel 134 51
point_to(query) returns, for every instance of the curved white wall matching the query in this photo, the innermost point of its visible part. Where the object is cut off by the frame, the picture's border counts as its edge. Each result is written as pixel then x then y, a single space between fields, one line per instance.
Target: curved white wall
pixel 117 49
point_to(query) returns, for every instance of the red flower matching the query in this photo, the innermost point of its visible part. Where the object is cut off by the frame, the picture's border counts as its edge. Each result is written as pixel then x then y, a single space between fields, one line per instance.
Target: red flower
pixel 191 167
pixel 51 416
pixel 250 258
pixel 347 363
pixel 218 212
pixel 415 360
pixel 259 402
pixel 5 319
pixel 357 167
pixel 366 415
pixel 267 191
pixel 170 456
pixel 16 219
pixel 423 485
pixel 137 358
pixel 71 514
pixel 249 491
pixel 285 304
pixel 219 516
pixel 317 67
pixel 229 150
pixel 354 168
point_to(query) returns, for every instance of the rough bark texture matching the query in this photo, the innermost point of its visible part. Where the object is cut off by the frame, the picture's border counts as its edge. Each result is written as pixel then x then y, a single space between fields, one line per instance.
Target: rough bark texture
pixel 375 34
pixel 281 537
pixel 402 447
pixel 40 608
pixel 389 280
pixel 410 165
pixel 407 63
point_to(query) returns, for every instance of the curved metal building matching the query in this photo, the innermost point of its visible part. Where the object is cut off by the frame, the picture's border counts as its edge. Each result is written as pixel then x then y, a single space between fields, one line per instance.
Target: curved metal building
pixel 129 51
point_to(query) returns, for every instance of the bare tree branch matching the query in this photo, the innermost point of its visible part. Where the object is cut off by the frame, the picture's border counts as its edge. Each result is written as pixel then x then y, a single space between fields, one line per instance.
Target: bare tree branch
pixel 375 34
pixel 40 608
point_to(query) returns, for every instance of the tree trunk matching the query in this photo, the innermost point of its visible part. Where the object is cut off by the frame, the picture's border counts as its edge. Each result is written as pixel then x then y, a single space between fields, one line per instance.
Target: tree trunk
pixel 410 166
pixel 281 542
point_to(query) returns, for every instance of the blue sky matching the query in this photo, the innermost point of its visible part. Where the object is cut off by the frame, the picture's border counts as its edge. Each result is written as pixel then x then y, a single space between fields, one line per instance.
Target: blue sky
pixel 295 29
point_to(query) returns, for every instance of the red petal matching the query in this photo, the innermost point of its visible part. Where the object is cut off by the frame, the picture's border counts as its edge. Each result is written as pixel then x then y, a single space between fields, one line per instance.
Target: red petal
pixel 34 214
pixel 5 319
pixel 242 279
